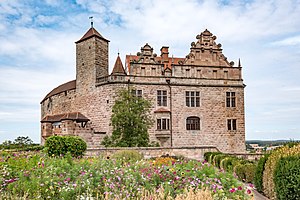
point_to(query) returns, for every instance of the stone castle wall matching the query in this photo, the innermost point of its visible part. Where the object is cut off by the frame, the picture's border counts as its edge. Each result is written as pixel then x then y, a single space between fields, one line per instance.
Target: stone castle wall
pixel 205 70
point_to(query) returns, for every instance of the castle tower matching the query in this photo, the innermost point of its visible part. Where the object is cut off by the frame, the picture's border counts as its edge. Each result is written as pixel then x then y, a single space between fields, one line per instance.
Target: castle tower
pixel 91 60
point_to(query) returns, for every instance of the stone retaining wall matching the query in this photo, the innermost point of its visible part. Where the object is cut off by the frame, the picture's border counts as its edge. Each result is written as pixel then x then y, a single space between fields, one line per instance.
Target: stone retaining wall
pixel 196 152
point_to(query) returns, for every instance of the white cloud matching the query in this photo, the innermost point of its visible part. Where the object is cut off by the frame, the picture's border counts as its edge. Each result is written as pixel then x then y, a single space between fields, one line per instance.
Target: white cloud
pixel 290 41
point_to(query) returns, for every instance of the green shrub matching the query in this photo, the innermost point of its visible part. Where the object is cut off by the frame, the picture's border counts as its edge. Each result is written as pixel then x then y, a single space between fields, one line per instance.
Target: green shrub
pixel 287 178
pixel 212 155
pixel 127 155
pixel 228 163
pixel 258 177
pixel 245 171
pixel 218 158
pixel 207 155
pixel 268 174
pixel 60 145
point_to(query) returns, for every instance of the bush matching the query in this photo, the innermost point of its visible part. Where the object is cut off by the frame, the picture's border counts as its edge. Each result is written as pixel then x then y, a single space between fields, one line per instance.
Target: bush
pixel 258 177
pixel 127 155
pixel 218 158
pixel 212 155
pixel 286 178
pixel 268 175
pixel 228 163
pixel 60 145
pixel 207 155
pixel 245 171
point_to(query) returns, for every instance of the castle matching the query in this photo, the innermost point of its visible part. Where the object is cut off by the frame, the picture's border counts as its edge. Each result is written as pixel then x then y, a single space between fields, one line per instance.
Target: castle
pixel 196 100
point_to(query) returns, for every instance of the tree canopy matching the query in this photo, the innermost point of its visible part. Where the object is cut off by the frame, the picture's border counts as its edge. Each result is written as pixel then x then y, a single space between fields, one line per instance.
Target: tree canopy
pixel 131 120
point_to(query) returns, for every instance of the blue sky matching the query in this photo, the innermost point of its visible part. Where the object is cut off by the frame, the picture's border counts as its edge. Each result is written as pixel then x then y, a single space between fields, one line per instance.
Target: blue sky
pixel 37 51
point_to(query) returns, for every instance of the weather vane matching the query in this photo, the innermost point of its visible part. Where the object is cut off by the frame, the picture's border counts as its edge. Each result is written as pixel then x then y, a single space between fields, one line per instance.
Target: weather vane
pixel 92 23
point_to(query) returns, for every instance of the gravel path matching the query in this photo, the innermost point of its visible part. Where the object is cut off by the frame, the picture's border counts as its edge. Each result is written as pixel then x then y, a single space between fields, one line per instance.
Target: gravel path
pixel 258 196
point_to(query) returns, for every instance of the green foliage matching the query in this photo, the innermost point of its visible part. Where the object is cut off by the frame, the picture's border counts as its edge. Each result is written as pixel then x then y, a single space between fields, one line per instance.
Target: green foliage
pixel 34 176
pixel 60 145
pixel 131 120
pixel 218 158
pixel 258 178
pixel 228 163
pixel 211 156
pixel 268 174
pixel 287 178
pixel 245 171
pixel 21 143
pixel 127 155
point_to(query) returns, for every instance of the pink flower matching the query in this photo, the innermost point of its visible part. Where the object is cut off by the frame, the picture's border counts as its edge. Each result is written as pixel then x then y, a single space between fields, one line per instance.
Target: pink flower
pixel 232 190
pixel 240 188
pixel 248 191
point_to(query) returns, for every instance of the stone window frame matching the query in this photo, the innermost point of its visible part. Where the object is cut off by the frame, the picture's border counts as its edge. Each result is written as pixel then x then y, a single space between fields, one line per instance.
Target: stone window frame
pixel 193 123
pixel 162 98
pixel 230 99
pixel 137 93
pixel 163 124
pixel 232 124
pixel 192 99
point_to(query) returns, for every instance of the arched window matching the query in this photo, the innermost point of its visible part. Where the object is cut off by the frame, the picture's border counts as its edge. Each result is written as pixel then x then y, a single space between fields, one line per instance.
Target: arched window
pixel 193 123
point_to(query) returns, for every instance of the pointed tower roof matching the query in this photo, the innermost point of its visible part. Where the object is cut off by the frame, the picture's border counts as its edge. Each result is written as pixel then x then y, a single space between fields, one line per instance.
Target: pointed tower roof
pixel 118 68
pixel 91 33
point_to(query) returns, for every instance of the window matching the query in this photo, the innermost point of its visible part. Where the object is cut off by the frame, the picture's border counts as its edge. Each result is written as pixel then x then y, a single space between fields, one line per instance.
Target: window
pixel 187 73
pixel 192 99
pixel 163 124
pixel 153 71
pixel 215 73
pixel 193 123
pixel 231 124
pixel 143 71
pixel 225 74
pixel 230 99
pixel 137 93
pixel 161 97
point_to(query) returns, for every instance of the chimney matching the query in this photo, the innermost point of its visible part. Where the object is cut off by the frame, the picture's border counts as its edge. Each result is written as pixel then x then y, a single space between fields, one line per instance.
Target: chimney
pixel 164 54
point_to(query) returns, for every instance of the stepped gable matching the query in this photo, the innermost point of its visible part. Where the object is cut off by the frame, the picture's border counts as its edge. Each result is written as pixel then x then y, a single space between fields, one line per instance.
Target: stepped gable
pixel 75 116
pixel 71 85
pixel 118 68
pixel 206 52
pixel 91 33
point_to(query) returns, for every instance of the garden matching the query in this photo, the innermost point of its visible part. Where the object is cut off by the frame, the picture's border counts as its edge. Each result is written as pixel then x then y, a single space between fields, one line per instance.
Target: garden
pixel 123 175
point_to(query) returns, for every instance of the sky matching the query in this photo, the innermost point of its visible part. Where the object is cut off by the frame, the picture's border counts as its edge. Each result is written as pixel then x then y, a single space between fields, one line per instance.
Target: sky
pixel 37 51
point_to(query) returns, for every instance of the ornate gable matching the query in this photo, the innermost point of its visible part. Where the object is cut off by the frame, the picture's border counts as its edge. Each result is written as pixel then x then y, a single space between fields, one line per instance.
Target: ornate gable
pixel 206 52
pixel 146 55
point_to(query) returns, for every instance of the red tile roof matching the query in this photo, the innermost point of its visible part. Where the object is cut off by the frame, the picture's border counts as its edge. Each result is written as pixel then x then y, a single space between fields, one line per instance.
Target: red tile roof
pixel 118 68
pixel 71 85
pixel 91 33
pixel 75 116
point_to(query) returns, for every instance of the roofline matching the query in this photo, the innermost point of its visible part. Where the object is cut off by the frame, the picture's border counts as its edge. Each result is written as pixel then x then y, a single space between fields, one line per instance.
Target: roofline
pixel 83 39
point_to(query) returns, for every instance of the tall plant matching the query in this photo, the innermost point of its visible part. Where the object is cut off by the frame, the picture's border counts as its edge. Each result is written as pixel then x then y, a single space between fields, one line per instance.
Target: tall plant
pixel 131 120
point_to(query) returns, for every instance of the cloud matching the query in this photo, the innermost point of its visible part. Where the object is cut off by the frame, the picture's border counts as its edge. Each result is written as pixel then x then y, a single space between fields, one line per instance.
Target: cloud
pixel 290 41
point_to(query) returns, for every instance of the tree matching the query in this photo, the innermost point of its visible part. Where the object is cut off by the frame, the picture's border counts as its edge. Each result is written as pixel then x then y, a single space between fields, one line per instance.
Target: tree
pixel 131 120
pixel 21 141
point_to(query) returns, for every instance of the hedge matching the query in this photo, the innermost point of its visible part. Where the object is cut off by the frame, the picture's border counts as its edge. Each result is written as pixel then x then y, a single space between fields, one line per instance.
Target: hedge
pixel 258 178
pixel 268 174
pixel 61 145
pixel 287 178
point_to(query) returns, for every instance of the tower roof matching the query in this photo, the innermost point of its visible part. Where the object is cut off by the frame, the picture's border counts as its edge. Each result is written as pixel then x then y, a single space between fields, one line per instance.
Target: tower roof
pixel 91 33
pixel 118 68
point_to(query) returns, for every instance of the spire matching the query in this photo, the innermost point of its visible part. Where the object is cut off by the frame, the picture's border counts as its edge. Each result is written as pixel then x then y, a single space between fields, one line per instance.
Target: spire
pixel 92 23
pixel 92 32
pixel 118 68
pixel 239 64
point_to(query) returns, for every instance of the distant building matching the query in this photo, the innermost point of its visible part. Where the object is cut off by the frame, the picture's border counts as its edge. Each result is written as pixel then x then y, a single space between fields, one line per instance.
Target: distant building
pixel 196 100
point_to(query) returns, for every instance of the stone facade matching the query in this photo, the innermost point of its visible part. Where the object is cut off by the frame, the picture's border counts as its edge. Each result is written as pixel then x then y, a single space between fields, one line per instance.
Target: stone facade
pixel 196 101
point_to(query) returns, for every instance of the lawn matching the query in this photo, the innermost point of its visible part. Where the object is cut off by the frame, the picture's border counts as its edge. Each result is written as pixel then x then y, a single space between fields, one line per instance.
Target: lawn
pixel 33 175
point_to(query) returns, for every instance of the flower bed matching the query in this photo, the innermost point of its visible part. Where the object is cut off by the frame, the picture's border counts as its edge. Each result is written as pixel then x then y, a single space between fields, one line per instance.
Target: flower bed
pixel 35 176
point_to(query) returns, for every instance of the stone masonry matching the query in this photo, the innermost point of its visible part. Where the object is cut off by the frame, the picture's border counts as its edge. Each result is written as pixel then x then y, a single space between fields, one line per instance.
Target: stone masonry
pixel 196 101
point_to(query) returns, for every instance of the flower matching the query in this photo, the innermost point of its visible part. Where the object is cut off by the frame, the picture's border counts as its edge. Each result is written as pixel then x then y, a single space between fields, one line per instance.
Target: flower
pixel 232 190
pixel 248 191
pixel 240 188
